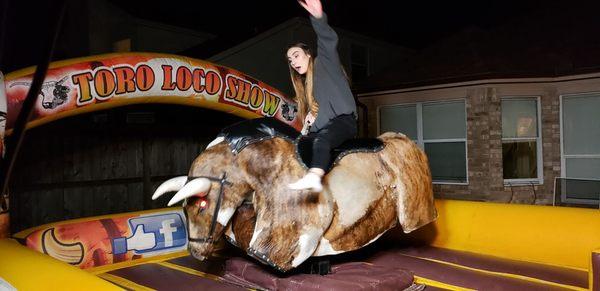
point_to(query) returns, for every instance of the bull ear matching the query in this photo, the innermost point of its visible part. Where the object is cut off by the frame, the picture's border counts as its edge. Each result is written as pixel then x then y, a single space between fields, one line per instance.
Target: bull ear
pixel 199 186
pixel 171 185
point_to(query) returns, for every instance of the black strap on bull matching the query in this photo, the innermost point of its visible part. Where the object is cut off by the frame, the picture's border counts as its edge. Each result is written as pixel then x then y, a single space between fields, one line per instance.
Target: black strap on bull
pixel 210 238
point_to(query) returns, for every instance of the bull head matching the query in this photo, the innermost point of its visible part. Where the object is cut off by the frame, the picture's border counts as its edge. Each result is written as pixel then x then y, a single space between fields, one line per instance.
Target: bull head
pixel 288 224
pixel 210 197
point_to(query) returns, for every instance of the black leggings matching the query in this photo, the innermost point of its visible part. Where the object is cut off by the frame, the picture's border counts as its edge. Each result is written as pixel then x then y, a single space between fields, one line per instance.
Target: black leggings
pixel 332 135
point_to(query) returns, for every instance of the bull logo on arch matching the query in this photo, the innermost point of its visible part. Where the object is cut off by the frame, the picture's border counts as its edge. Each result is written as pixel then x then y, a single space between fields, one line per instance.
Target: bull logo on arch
pixel 289 111
pixel 52 94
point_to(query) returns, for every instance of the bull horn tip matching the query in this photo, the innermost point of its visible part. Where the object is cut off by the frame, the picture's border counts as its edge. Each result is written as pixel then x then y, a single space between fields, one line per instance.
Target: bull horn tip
pixel 171 185
pixel 192 188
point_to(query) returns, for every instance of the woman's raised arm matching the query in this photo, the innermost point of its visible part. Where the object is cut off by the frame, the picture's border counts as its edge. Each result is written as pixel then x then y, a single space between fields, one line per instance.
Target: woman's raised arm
pixel 327 39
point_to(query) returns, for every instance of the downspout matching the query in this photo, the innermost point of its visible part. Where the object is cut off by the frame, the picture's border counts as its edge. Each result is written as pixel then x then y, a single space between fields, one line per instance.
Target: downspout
pixel 365 120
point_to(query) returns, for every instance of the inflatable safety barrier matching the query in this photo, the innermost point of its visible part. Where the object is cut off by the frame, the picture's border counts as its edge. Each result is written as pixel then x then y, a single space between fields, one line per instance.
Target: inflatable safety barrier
pixel 472 245
pixel 104 240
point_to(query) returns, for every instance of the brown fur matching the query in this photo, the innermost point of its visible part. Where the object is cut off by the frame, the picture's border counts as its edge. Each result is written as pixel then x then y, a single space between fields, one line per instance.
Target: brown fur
pixel 213 162
pixel 270 166
pixel 381 215
pixel 401 165
pixel 243 225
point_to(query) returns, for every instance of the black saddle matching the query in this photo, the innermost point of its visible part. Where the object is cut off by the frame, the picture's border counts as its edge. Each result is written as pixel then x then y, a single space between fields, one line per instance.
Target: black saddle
pixel 247 132
pixel 355 145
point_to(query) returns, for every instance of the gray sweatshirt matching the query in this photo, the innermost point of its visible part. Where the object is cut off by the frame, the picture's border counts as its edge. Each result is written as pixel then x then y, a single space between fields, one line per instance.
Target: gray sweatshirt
pixel 330 87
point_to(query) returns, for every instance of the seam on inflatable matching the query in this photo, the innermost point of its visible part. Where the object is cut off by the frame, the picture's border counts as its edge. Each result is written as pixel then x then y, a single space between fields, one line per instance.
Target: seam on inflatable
pixel 434 283
pixel 189 271
pixel 508 275
pixel 122 282
pixel 126 264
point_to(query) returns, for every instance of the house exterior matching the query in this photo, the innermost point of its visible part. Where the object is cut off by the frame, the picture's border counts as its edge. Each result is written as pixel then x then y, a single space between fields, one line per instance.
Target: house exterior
pixel 263 56
pixel 503 115
pixel 113 29
pixel 100 27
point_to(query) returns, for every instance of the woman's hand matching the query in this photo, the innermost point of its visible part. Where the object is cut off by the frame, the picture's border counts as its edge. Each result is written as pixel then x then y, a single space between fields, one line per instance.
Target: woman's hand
pixel 304 130
pixel 308 121
pixel 313 7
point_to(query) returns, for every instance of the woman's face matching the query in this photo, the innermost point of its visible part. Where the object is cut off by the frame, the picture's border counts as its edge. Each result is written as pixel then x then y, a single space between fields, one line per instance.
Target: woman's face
pixel 298 60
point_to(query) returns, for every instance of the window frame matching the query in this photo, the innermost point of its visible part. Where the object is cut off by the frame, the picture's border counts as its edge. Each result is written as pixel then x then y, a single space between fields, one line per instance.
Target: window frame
pixel 538 140
pixel 421 141
pixel 563 156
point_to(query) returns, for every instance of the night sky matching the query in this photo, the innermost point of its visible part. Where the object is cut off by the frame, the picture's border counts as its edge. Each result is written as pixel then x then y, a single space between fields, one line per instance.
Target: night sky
pixel 413 24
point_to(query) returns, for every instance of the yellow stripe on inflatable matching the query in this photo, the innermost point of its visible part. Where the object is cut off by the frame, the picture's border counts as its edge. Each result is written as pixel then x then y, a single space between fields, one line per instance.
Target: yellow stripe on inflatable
pixel 508 275
pixel 125 264
pixel 124 282
pixel 189 271
pixel 26 269
pixel 558 236
pixel 433 283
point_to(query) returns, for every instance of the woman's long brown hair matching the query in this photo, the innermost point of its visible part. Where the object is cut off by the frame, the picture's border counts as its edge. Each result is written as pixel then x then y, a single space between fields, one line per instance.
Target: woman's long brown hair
pixel 303 85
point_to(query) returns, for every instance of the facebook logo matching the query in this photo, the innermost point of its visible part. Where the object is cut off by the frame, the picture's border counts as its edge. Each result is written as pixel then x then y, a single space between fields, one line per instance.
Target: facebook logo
pixel 152 234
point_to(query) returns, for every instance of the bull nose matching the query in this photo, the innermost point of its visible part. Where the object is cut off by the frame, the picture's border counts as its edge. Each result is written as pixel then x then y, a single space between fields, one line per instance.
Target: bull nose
pixel 198 256
pixel 195 253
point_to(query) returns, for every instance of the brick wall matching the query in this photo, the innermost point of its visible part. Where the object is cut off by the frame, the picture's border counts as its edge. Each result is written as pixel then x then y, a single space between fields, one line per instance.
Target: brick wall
pixel 484 138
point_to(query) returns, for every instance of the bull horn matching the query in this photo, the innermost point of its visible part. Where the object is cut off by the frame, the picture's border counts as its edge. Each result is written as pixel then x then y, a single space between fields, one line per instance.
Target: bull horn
pixel 171 185
pixel 215 142
pixel 194 187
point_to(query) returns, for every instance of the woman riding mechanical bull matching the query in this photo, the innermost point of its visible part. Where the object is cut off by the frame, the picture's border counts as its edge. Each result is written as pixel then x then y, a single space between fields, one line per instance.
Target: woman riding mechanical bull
pixel 302 212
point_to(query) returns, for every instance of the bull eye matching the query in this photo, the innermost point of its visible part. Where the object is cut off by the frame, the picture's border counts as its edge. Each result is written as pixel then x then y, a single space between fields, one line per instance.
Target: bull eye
pixel 202 204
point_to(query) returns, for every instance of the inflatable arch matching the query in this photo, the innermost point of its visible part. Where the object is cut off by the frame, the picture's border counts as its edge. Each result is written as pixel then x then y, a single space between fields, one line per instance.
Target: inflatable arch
pixel 99 82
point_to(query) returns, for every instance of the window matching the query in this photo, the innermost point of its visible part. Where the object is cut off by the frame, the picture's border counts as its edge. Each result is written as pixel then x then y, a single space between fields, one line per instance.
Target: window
pixel 580 123
pixel 359 61
pixel 581 136
pixel 580 150
pixel 521 141
pixel 439 128
pixel 399 118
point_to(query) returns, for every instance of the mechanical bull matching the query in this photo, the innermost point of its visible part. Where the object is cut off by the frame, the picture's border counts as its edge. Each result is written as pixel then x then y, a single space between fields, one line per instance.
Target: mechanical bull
pixel 366 192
